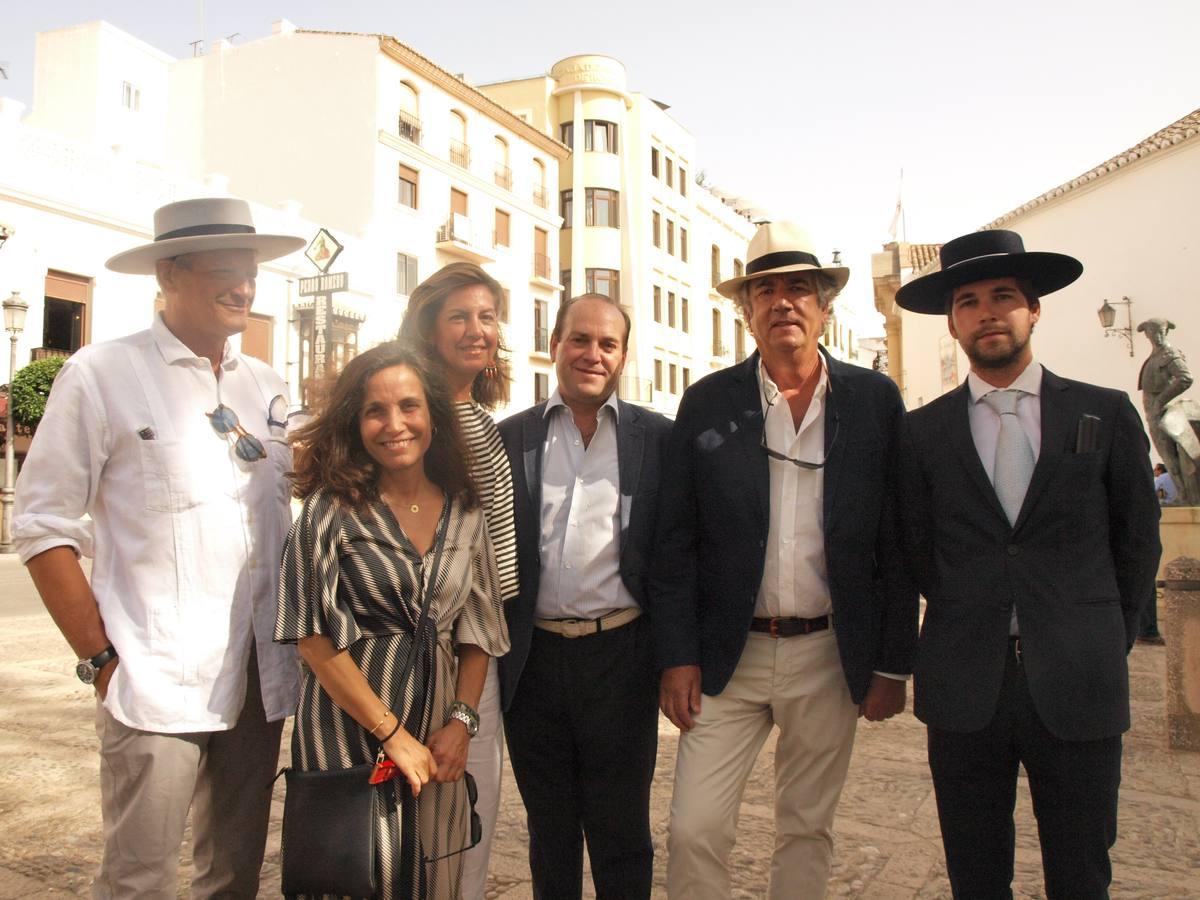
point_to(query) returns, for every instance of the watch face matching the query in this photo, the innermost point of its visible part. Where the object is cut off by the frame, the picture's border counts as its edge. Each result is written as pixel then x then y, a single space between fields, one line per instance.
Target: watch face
pixel 86 671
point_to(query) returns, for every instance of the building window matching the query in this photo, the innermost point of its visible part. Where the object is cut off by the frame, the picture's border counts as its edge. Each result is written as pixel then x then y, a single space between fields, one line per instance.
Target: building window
pixel 656 228
pixel 683 243
pixel 687 378
pixel 460 152
pixel 566 134
pixel 673 383
pixel 684 322
pixel 654 161
pixel 406 274
pixel 503 174
pixel 459 203
pixel 600 136
pixel 65 314
pixel 670 172
pixel 408 125
pixel 657 303
pixel 131 97
pixel 539 184
pixel 541 255
pixel 564 208
pixel 739 341
pixel 604 281
pixel 670 237
pixel 671 309
pixel 683 190
pixel 738 269
pixel 564 278
pixel 258 338
pixel 717 348
pixel 716 265
pixel 658 379
pixel 408 186
pixel 541 326
pixel 601 209
pixel 541 387
pixel 505 305
pixel 501 236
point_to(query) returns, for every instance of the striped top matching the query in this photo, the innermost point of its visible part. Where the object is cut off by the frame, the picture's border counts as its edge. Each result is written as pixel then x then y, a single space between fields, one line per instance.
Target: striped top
pixel 493 479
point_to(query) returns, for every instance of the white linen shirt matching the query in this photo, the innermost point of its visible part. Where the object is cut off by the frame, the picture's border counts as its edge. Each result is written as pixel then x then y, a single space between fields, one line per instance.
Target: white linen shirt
pixel 186 537
pixel 795 581
pixel 580 518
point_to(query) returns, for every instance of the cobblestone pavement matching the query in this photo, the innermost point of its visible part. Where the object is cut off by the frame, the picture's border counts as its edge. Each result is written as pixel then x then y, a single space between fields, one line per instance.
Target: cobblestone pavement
pixel 887 842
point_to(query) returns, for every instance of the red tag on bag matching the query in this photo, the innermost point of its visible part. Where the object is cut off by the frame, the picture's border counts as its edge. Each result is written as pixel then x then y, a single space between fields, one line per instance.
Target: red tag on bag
pixel 385 770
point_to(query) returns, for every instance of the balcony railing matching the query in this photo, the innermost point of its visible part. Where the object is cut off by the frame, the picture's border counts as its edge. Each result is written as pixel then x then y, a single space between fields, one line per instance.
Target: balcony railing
pixel 504 177
pixel 409 128
pixel 541 197
pixel 541 340
pixel 460 154
pixel 541 265
pixel 48 353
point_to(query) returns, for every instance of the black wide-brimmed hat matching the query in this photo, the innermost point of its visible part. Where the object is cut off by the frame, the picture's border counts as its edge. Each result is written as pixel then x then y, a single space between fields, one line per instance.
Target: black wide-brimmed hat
pixel 982 255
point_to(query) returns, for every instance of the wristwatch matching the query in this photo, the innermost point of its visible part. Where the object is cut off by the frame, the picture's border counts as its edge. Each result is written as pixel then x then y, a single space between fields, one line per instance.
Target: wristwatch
pixel 88 669
pixel 466 715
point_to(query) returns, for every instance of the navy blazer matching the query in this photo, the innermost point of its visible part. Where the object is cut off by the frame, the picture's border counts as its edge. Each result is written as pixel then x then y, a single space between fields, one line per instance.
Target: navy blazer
pixel 714 516
pixel 1078 563
pixel 641 442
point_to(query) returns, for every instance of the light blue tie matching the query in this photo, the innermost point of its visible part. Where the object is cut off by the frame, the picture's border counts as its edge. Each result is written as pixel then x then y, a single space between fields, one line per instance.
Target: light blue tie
pixel 1014 456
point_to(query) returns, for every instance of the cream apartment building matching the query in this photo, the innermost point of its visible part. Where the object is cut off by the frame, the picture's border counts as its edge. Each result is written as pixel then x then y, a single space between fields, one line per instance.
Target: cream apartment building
pixel 407 165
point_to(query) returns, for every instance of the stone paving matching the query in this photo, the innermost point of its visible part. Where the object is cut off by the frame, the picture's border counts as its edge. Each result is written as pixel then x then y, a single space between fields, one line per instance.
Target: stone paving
pixel 887 844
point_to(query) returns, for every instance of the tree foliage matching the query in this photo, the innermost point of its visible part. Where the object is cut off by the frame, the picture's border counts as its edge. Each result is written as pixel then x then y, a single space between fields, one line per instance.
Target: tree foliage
pixel 30 388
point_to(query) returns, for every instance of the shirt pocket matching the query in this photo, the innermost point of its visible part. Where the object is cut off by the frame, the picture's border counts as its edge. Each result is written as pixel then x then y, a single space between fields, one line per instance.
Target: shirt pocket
pixel 169 483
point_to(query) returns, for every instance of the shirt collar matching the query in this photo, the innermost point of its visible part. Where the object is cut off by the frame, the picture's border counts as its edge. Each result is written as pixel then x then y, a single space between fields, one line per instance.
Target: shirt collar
pixel 556 401
pixel 174 350
pixel 1029 381
pixel 770 390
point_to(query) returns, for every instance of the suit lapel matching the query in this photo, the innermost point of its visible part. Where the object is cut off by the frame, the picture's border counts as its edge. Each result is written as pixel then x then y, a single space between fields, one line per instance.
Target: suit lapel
pixel 630 445
pixel 958 425
pixel 1059 413
pixel 533 440
pixel 839 415
pixel 747 429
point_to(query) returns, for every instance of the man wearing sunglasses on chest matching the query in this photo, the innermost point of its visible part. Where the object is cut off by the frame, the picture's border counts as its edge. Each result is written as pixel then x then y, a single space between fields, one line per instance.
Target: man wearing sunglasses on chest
pixel 778 597
pixel 162 456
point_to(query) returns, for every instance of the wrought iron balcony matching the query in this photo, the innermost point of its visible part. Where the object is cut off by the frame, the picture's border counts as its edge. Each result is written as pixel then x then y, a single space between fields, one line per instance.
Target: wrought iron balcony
pixel 504 177
pixel 409 128
pixel 541 197
pixel 541 340
pixel 460 154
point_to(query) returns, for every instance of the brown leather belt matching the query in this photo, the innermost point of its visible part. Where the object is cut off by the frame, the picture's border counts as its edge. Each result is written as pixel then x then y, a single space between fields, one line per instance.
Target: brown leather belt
pixel 789 627
pixel 575 628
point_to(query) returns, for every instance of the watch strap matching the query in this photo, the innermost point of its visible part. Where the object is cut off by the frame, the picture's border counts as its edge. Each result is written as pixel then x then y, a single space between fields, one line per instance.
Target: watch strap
pixel 104 657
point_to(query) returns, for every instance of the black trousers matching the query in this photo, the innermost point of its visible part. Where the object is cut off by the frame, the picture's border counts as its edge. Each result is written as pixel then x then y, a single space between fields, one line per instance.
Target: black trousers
pixel 1074 789
pixel 582 733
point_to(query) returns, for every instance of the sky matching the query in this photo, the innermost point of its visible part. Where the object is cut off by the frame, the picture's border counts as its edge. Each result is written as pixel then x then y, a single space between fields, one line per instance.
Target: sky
pixel 810 110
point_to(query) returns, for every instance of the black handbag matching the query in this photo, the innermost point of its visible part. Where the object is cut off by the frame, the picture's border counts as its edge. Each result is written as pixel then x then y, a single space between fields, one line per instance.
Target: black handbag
pixel 329 840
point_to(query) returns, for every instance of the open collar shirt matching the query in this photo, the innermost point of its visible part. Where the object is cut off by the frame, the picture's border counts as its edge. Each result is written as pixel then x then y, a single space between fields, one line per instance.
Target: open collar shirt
pixel 186 537
pixel 580 517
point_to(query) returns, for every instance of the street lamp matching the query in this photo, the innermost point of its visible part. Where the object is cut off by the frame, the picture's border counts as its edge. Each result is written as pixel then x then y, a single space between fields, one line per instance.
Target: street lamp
pixel 1108 315
pixel 14 323
pixel 6 231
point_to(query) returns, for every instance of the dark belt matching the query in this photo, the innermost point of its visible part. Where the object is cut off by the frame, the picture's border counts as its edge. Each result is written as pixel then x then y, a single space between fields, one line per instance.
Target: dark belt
pixel 789 627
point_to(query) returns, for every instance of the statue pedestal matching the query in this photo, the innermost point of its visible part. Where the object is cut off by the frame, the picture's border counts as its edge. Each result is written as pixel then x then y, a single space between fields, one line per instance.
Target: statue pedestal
pixel 1182 597
pixel 1179 531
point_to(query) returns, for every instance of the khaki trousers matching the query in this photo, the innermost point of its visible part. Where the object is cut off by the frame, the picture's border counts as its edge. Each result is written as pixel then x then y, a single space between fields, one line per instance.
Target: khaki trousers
pixel 149 780
pixel 797 684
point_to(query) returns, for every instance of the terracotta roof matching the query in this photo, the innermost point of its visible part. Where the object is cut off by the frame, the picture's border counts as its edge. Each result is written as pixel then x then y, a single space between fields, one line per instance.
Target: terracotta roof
pixel 1184 129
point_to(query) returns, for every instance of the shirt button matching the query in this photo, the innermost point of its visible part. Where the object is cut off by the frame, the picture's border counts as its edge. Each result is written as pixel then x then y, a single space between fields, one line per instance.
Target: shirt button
pixel 566 565
pixel 1013 550
pixel 576 442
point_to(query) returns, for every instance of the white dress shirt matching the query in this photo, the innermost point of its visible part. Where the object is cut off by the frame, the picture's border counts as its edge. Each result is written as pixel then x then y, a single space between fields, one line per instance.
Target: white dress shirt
pixel 186 537
pixel 580 518
pixel 795 581
pixel 985 421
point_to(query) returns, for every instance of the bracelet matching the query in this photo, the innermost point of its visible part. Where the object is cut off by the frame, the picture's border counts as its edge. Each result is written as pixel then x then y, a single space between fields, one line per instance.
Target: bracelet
pixel 391 733
pixel 375 727
pixel 463 713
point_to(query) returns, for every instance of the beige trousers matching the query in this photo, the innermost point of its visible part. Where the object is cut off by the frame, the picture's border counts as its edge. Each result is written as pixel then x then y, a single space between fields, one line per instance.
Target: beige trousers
pixel 149 780
pixel 797 684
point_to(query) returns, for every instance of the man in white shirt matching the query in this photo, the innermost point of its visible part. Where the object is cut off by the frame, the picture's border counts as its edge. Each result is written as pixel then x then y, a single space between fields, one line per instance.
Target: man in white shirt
pixel 578 686
pixel 1164 486
pixel 162 456
pixel 778 596
pixel 1031 525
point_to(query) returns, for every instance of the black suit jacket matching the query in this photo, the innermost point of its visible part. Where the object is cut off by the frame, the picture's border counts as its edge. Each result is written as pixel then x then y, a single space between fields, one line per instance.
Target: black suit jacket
pixel 1079 562
pixel 714 516
pixel 641 442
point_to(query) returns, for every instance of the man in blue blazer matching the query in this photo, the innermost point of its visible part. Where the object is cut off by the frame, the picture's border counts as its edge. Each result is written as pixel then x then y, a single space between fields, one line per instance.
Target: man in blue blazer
pixel 778 592
pixel 1032 528
pixel 578 686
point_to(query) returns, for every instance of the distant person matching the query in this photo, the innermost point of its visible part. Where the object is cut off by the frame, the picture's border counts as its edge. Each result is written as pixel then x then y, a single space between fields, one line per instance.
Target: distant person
pixel 778 596
pixel 1164 486
pixel 159 458
pixel 453 317
pixel 1031 524
pixel 382 469
pixel 579 687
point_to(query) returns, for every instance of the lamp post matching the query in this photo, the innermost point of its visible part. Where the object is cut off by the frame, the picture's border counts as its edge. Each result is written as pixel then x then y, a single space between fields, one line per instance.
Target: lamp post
pixel 14 323
pixel 1108 315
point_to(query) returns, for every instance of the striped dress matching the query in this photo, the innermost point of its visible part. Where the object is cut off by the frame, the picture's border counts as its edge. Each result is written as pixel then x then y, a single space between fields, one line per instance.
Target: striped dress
pixel 493 479
pixel 352 575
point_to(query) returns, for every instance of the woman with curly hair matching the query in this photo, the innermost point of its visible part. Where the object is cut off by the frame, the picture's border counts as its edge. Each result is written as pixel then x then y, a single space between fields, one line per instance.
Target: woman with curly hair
pixel 453 317
pixel 381 470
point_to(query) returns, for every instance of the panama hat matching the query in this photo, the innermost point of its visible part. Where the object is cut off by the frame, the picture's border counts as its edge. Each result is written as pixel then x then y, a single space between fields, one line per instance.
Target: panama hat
pixel 207 223
pixel 780 247
pixel 983 255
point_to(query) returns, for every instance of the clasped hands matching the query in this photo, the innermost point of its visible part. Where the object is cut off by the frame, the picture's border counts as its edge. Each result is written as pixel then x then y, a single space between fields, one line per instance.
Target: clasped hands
pixel 443 759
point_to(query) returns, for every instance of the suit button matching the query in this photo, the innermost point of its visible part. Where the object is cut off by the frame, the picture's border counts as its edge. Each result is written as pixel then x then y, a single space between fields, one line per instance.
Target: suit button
pixel 1013 550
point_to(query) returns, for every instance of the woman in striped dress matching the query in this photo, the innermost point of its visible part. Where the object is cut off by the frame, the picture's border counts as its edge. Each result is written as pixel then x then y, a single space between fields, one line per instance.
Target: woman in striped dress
pixel 380 470
pixel 454 318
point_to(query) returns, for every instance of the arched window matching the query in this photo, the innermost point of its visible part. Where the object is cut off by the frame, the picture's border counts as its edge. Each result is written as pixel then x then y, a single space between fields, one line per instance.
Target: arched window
pixel 460 153
pixel 503 172
pixel 539 184
pixel 410 118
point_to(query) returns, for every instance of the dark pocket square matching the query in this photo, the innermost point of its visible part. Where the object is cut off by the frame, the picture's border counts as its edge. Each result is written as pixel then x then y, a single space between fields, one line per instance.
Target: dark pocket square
pixel 1087 435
